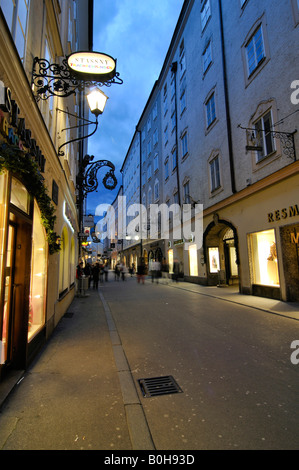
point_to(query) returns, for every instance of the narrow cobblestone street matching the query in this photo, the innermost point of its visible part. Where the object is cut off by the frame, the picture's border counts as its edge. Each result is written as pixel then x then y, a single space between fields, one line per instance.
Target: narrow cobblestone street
pixel 232 362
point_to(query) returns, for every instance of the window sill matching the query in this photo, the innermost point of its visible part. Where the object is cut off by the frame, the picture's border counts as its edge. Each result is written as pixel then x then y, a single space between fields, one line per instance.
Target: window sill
pixel 256 71
pixel 184 157
pixel 211 126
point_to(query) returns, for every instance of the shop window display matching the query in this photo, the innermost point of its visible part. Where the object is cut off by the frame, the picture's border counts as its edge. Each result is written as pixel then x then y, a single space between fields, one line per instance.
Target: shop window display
pixel 214 261
pixel 3 256
pixel 193 260
pixel 38 276
pixel 20 196
pixel 264 258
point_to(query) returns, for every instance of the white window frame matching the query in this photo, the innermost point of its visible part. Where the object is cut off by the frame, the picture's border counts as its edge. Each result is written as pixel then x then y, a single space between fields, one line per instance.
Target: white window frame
pixel 207 57
pixel 205 14
pixel 186 188
pixel 215 176
pixel 17 27
pixel 257 57
pixel 210 106
pixel 166 135
pixel 184 140
pixel 155 137
pixel 155 110
pixel 265 139
pixel 156 162
pixel 166 168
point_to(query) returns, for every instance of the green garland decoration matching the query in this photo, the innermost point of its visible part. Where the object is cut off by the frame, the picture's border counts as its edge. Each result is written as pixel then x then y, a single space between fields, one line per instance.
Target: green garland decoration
pixel 23 165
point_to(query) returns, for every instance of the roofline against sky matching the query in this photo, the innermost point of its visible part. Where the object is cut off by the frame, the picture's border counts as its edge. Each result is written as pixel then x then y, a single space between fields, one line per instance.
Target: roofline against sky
pixel 157 82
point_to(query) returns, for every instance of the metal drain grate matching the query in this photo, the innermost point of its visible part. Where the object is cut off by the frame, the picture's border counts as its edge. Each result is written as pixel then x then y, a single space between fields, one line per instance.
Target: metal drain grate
pixel 156 386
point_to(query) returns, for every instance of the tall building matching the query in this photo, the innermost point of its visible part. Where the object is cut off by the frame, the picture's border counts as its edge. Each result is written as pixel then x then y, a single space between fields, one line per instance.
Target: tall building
pixel 131 189
pixel 227 112
pixel 38 211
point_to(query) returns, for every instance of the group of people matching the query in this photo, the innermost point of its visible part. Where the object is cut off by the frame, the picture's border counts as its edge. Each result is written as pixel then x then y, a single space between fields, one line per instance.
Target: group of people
pixel 121 270
pixel 98 272
pixel 161 270
pixel 93 272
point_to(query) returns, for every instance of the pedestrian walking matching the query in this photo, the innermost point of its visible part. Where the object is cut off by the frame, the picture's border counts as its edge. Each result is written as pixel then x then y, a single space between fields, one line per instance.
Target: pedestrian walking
pixel 116 272
pixel 101 272
pixel 176 270
pixel 79 276
pixel 95 275
pixel 141 271
pixel 152 269
pixel 88 273
pixel 165 270
pixel 123 271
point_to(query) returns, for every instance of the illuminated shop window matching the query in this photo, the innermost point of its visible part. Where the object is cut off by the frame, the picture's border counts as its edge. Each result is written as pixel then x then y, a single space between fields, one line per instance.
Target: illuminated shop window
pixel 264 258
pixel 214 261
pixel 170 260
pixel 193 260
pixel 64 262
pixel 37 309
pixel 20 196
pixel 3 212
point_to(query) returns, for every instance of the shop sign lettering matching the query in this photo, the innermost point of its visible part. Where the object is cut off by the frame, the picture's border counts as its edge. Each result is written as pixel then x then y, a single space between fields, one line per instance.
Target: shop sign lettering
pixel 295 238
pixel 13 129
pixel 284 213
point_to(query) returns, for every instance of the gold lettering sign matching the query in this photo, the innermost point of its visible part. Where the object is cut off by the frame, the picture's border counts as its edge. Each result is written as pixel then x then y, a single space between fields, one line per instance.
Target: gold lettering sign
pixel 295 238
pixel 281 214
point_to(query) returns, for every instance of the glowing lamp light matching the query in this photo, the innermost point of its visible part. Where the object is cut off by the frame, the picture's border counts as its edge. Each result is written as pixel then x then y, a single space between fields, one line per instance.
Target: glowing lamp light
pixel 97 101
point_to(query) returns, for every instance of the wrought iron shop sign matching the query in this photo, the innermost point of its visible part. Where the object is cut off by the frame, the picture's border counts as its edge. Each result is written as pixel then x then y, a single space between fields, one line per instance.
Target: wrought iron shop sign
pixel 75 72
pixel 93 65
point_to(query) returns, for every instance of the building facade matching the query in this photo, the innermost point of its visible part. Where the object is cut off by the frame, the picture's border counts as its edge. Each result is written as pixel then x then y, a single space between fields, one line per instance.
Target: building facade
pixel 38 216
pixel 131 170
pixel 227 143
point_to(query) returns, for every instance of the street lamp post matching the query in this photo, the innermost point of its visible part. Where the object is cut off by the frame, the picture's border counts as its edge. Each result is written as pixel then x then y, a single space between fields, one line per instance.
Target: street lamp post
pixel 97 101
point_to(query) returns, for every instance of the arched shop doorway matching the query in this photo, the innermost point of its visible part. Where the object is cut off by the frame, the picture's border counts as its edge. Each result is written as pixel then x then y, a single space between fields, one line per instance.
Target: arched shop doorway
pixel 220 242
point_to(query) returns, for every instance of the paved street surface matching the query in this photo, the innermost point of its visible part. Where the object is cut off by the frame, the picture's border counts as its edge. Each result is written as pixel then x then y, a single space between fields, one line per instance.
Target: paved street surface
pixel 229 354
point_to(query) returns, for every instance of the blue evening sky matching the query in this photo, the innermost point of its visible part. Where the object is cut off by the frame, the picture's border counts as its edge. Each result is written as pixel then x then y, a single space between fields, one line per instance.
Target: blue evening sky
pixel 137 33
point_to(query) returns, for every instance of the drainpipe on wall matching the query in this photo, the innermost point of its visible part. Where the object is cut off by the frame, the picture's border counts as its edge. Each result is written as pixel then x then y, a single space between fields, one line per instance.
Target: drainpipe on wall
pixel 228 119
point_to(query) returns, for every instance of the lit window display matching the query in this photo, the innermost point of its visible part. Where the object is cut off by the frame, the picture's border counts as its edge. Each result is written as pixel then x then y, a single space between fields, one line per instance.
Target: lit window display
pixel 264 258
pixel 20 196
pixel 214 261
pixel 193 260
pixel 3 212
pixel 38 276
pixel 170 260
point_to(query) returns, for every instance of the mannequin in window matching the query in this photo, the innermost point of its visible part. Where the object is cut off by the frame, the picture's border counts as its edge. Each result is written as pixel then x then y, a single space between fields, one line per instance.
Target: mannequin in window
pixel 272 268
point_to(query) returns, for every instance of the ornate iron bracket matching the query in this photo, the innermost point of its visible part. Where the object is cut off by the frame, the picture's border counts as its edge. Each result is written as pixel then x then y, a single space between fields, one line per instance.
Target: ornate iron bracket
pixel 87 181
pixel 87 122
pixel 57 80
pixel 287 140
